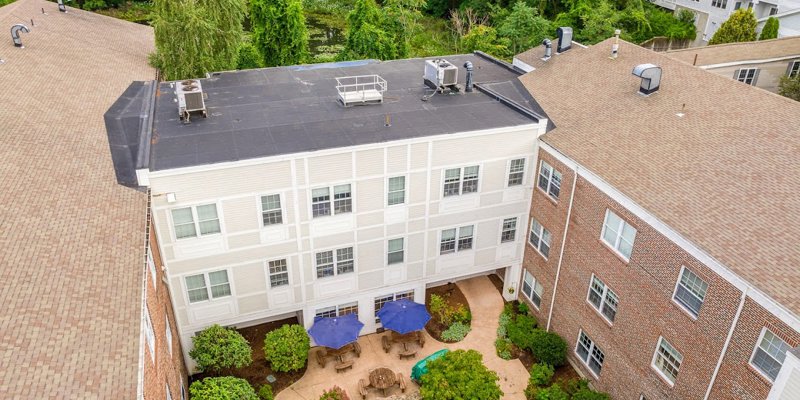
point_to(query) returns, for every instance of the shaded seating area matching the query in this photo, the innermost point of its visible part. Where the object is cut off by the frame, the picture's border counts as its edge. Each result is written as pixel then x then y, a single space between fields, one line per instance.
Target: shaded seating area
pixel 381 379
pixel 405 319
pixel 338 355
pixel 338 337
pixel 408 343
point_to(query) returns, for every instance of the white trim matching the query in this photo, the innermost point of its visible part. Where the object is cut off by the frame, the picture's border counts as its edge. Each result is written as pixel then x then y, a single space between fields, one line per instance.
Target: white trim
pixel 661 373
pixel 553 171
pixel 288 261
pixel 589 355
pixel 757 295
pixel 755 349
pixel 689 312
pixel 457 228
pixel 500 241
pixel 386 251
pixel 461 169
pixel 748 62
pixel 725 346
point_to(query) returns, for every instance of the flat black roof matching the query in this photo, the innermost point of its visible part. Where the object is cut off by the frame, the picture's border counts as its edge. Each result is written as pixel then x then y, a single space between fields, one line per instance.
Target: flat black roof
pixel 273 111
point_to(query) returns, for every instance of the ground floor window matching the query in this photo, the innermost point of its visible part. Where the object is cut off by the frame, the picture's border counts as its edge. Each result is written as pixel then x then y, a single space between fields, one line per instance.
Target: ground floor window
pixel 338 311
pixel 667 360
pixel 532 289
pixel 589 353
pixel 380 301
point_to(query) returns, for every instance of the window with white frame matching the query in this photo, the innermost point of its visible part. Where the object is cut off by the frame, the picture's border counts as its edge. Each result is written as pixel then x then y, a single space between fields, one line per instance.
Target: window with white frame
pixel 271 213
pixel 168 333
pixel 532 289
pixel 618 234
pixel 460 180
pixel 338 311
pixel 549 180
pixel 516 172
pixel 769 354
pixel 591 355
pixel 540 238
pixel 794 69
pixel 396 190
pixel 456 239
pixel 169 393
pixel 380 301
pixel 719 3
pixel 773 10
pixel 183 392
pixel 210 285
pixel 509 231
pixel 603 299
pixel 690 291
pixel 278 273
pixel 395 251
pixel 328 265
pixel 747 75
pixel 667 360
pixel 151 267
pixel 149 335
pixel 188 221
pixel 322 205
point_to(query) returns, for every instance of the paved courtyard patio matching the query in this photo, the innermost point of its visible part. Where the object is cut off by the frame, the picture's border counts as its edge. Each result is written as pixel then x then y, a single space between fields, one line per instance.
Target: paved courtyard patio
pixel 486 305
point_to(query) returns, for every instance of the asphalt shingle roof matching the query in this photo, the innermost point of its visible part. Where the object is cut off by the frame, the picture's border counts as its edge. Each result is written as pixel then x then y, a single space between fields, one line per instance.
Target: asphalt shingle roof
pixel 745 51
pixel 71 239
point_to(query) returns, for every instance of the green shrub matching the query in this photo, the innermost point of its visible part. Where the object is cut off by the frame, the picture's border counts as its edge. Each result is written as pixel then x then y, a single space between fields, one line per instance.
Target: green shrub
pixel 541 374
pixel 502 347
pixel 770 29
pixel 548 348
pixel 509 309
pixel 265 392
pixel 456 332
pixel 286 348
pixel 589 394
pixel 335 393
pixel 225 387
pixel 553 392
pixel 462 314
pixel 460 374
pixel 523 308
pixel 248 57
pixel 217 347
pixel 521 331
pixel 503 321
pixel 439 307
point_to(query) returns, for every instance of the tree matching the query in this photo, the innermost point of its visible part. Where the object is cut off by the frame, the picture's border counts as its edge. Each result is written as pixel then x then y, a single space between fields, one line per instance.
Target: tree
pixel 740 27
pixel 366 36
pixel 279 31
pixel 460 374
pixel 770 29
pixel 524 27
pixel 222 388
pixel 401 18
pixel 553 392
pixel 286 348
pixel 216 348
pixel 790 87
pixel 249 57
pixel 194 37
pixel 484 38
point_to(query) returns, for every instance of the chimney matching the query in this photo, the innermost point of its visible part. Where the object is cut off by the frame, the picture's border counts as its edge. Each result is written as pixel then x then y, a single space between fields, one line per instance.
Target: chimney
pixel 564 34
pixel 615 46
pixel 15 34
pixel 548 49
pixel 651 78
pixel 468 66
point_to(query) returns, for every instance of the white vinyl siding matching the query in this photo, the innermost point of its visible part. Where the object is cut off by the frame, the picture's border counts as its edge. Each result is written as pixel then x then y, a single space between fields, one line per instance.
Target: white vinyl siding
pixel 618 234
pixel 338 311
pixel 397 190
pixel 690 291
pixel 188 221
pixel 667 360
pixel 516 172
pixel 461 180
pixel 549 180
pixel 456 239
pixel 509 230
pixel 198 290
pixel 395 253
pixel 540 238
pixel 322 205
pixel 769 354
pixel 603 299
pixel 589 353
pixel 278 273
pixel 328 265
pixel 271 213
pixel 380 301
pixel 532 289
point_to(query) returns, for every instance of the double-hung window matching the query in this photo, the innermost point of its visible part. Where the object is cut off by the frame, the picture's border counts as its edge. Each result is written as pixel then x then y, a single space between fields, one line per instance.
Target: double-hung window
pixel 338 311
pixel 461 181
pixel 516 172
pixel 618 234
pixel 321 204
pixel 589 353
pixel 151 267
pixel 328 265
pixel 396 190
pixel 168 333
pixel 602 299
pixel 747 75
pixel 769 354
pixel 380 301
pixel 271 213
pixel 211 285
pixel 667 360
pixel 549 180
pixel 719 3
pixel 540 238
pixel 149 335
pixel 509 231
pixel 395 251
pixel 456 239
pixel 532 289
pixel 278 273
pixel 794 69
pixel 690 291
pixel 188 221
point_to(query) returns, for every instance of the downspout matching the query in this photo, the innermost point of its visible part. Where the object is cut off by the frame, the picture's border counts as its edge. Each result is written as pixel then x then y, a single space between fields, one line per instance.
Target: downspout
pixel 563 245
pixel 727 342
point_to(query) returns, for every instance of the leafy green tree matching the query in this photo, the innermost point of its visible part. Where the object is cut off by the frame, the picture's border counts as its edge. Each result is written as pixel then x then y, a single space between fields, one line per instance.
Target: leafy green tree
pixel 366 34
pixel 401 18
pixel 249 57
pixel 553 392
pixel 194 37
pixel 770 29
pixel 522 331
pixel 524 28
pixel 740 27
pixel 286 348
pixel 548 348
pixel 485 38
pixel 217 348
pixel 459 375
pixel 790 87
pixel 279 31
pixel 222 388
pixel 592 20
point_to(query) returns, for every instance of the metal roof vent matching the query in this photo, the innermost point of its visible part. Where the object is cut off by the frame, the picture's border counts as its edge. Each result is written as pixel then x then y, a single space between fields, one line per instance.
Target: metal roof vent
pixel 15 29
pixel 360 89
pixel 548 49
pixel 190 99
pixel 564 34
pixel 651 78
pixel 440 74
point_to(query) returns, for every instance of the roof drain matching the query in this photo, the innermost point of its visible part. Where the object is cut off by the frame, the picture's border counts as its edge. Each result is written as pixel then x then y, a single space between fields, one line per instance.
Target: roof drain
pixel 15 34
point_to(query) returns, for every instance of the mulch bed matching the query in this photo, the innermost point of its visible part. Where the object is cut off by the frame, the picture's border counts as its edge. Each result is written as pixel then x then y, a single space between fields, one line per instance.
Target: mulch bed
pixel 453 296
pixel 256 373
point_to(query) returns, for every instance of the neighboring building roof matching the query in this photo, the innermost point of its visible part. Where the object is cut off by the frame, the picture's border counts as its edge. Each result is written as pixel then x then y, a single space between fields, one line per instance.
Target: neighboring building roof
pixel 723 176
pixel 273 111
pixel 743 51
pixel 72 250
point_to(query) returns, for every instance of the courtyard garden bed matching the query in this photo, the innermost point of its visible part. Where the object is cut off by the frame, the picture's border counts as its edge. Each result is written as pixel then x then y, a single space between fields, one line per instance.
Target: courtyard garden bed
pixel 450 313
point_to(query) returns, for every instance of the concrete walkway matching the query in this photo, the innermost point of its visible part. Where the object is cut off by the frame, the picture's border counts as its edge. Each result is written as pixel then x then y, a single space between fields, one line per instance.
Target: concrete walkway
pixel 486 305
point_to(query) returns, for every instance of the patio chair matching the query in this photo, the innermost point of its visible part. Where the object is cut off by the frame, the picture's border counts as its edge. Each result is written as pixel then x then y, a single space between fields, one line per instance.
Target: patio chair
pixel 385 343
pixel 362 388
pixel 322 358
pixel 421 339
pixel 357 349
pixel 402 382
pixel 408 353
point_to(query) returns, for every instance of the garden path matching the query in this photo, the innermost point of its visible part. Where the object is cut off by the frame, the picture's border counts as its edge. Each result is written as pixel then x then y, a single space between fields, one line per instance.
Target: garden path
pixel 486 305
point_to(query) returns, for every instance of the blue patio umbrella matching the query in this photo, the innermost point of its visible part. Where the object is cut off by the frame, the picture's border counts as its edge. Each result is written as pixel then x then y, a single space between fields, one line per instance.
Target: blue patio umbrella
pixel 403 316
pixel 335 332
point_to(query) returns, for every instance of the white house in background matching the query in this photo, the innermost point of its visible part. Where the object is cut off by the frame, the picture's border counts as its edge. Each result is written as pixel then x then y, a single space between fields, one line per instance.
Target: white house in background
pixel 285 202
pixel 789 22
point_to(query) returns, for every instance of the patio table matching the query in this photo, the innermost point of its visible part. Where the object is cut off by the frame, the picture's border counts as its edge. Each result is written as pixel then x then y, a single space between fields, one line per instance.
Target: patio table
pixel 382 378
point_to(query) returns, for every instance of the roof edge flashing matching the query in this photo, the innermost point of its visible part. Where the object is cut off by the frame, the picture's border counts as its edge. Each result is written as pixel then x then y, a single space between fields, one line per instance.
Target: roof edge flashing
pixel 510 103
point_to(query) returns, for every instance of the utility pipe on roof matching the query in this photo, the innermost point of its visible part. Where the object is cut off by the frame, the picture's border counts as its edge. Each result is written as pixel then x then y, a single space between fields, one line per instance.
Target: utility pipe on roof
pixel 727 342
pixel 563 245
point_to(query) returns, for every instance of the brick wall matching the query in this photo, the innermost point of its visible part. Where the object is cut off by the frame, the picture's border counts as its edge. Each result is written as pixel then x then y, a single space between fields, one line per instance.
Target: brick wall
pixel 168 367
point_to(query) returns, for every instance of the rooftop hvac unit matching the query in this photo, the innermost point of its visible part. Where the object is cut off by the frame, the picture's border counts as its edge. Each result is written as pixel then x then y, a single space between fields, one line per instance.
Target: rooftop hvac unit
pixel 190 98
pixel 440 74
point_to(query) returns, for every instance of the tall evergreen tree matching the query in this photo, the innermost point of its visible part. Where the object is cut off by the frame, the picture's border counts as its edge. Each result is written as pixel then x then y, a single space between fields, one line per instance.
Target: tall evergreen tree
pixel 740 27
pixel 770 29
pixel 366 36
pixel 194 37
pixel 279 31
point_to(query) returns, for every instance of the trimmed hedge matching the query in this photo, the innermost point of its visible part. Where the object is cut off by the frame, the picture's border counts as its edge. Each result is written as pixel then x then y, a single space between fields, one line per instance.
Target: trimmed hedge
pixel 286 348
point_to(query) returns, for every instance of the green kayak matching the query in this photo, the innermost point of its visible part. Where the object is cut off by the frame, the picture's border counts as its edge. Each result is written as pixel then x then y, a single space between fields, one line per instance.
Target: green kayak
pixel 421 368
